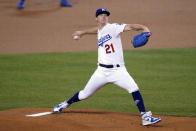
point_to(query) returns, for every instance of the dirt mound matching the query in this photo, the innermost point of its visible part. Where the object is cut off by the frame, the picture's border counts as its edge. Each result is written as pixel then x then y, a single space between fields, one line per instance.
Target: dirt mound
pixel 83 120
pixel 44 26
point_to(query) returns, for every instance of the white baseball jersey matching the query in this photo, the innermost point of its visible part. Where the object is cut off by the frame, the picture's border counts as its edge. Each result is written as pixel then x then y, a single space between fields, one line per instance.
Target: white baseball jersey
pixel 110 50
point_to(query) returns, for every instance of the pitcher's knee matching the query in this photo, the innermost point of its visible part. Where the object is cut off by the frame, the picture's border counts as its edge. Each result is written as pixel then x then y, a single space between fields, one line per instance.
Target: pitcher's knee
pixel 133 88
pixel 83 95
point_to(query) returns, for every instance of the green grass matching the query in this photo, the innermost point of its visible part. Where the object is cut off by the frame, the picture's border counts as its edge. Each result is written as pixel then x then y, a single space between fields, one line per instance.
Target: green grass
pixel 166 78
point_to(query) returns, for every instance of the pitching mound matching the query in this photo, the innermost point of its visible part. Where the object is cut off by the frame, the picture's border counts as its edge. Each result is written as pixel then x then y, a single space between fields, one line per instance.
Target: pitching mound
pixel 82 119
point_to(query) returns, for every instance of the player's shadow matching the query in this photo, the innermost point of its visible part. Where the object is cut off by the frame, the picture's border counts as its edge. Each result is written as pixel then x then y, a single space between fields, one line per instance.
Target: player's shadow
pixel 153 126
pixel 85 112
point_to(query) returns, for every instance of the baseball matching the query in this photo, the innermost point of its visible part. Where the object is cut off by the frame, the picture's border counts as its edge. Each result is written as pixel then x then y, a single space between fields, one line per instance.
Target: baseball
pixel 76 37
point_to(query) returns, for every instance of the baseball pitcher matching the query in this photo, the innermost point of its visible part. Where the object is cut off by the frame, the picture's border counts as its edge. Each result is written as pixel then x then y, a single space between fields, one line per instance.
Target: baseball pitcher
pixel 111 67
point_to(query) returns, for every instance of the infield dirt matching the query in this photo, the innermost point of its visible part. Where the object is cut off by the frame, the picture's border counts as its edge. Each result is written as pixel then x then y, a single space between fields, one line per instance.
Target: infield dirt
pixel 44 26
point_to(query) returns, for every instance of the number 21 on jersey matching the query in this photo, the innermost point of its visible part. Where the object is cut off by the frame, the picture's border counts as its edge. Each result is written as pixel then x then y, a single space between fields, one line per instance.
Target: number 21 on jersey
pixel 109 48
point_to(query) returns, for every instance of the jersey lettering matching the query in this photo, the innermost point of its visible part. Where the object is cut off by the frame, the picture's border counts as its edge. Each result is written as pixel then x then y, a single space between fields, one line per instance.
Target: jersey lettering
pixel 104 39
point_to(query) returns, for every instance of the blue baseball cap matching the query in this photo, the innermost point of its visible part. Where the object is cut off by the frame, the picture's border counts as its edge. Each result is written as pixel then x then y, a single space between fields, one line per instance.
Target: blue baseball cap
pixel 102 11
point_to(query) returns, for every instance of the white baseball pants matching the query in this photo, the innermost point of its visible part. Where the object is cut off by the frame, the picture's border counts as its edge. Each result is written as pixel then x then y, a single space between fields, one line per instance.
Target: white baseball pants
pixel 118 76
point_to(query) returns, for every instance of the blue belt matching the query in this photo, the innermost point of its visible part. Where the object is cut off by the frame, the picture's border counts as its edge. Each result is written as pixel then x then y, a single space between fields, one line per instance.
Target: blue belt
pixel 109 66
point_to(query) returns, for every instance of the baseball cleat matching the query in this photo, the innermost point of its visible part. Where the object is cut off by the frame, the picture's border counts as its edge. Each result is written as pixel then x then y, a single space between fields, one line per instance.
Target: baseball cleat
pixel 65 3
pixel 60 107
pixel 20 5
pixel 147 119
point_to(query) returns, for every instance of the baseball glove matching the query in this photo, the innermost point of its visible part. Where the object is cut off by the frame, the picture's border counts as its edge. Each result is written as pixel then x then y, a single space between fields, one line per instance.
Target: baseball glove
pixel 141 39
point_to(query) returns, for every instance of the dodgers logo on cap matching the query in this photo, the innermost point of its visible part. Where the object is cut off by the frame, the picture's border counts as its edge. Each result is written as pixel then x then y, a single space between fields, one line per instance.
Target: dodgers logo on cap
pixel 102 11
